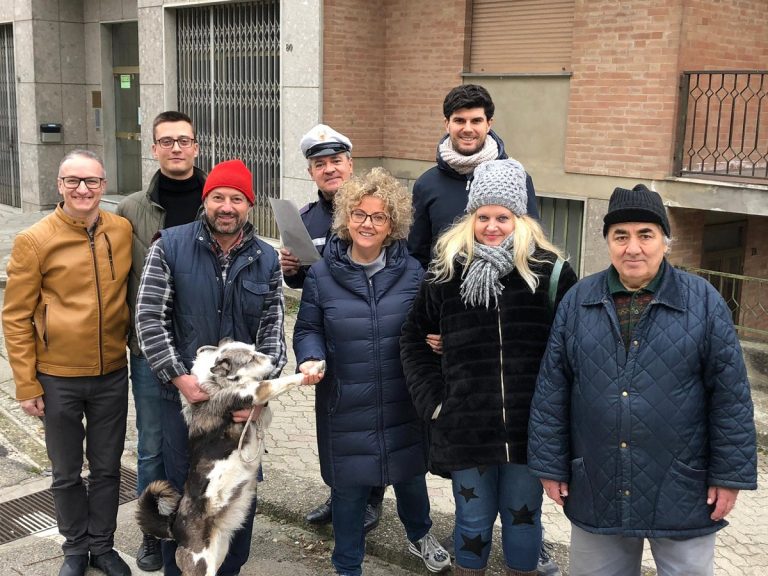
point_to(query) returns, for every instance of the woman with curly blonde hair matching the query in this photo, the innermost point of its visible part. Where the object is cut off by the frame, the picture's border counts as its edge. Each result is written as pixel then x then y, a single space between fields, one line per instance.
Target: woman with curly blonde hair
pixel 352 310
pixel 488 297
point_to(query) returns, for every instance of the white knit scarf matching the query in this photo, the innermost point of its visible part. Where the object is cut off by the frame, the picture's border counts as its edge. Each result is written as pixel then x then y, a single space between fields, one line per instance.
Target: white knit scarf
pixel 466 164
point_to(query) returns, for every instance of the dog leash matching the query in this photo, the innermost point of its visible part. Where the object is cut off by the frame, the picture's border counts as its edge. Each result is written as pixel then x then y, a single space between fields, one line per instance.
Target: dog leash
pixel 259 437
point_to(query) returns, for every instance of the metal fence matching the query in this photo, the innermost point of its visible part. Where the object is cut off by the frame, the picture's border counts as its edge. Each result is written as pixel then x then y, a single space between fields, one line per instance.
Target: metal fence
pixel 229 84
pixel 10 189
pixel 723 124
pixel 746 297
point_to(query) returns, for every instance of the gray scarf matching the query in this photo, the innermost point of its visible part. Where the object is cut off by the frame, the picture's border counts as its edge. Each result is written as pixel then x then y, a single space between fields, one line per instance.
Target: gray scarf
pixel 481 280
pixel 467 164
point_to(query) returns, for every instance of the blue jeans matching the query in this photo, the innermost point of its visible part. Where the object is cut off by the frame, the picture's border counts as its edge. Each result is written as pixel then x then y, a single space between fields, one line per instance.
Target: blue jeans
pixel 146 397
pixel 176 459
pixel 483 494
pixel 348 506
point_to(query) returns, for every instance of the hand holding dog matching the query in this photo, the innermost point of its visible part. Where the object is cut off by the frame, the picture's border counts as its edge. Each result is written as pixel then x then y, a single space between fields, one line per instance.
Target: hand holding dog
pixel 189 386
pixel 242 415
pixel 313 371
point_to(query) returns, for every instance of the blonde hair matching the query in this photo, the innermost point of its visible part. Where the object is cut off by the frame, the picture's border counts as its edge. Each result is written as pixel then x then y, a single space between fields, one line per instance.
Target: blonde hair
pixel 459 242
pixel 380 184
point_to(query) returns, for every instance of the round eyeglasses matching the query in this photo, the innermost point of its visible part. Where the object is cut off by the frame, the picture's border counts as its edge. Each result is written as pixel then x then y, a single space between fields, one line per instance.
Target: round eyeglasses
pixel 377 218
pixel 168 142
pixel 72 182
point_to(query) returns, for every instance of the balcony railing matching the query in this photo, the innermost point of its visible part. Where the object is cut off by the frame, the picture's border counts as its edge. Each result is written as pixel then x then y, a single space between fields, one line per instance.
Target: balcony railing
pixel 747 299
pixel 723 124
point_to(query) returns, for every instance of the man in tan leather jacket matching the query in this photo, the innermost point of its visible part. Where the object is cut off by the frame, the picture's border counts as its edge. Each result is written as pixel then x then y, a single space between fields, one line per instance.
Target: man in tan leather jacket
pixel 65 321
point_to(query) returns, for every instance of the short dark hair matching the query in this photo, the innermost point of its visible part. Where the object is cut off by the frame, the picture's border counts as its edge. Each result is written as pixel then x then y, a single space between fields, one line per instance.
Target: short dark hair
pixel 172 116
pixel 468 96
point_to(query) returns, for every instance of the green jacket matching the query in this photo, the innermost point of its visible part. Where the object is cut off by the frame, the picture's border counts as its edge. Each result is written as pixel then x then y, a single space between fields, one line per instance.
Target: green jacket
pixel 142 209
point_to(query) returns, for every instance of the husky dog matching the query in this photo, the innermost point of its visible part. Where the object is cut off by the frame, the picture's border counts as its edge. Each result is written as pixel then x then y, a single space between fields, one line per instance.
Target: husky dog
pixel 224 457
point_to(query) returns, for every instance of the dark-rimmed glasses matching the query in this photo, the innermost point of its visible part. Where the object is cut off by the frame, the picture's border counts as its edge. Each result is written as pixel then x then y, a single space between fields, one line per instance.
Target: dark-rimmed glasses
pixel 377 218
pixel 168 142
pixel 73 182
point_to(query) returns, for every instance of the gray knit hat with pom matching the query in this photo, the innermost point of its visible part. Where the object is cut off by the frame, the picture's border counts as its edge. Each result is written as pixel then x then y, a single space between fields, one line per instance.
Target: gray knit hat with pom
pixel 499 182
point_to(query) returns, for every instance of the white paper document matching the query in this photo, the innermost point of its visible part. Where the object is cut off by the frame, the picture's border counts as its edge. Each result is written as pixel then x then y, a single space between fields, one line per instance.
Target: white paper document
pixel 293 234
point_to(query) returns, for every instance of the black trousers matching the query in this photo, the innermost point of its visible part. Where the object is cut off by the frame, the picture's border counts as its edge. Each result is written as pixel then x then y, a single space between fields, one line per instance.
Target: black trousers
pixel 86 518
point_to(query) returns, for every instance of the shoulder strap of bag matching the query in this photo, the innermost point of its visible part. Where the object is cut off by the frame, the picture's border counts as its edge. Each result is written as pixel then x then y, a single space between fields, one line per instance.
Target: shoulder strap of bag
pixel 554 280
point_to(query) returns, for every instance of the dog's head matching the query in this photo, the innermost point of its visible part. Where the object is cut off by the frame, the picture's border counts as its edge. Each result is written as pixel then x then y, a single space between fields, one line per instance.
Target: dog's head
pixel 232 361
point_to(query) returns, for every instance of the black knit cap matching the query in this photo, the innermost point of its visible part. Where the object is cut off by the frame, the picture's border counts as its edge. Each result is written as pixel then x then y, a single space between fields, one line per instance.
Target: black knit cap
pixel 636 205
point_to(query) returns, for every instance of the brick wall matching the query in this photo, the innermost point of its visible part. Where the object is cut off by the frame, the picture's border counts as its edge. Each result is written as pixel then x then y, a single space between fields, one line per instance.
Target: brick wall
pixel 754 296
pixel 387 67
pixel 624 86
pixel 686 227
pixel 627 56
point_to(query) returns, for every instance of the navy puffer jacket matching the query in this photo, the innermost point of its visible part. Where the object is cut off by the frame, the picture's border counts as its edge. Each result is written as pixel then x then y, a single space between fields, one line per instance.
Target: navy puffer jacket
pixel 368 432
pixel 640 435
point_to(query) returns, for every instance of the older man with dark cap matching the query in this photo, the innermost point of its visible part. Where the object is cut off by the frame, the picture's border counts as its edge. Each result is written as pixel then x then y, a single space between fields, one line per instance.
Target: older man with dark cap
pixel 329 154
pixel 642 423
pixel 204 281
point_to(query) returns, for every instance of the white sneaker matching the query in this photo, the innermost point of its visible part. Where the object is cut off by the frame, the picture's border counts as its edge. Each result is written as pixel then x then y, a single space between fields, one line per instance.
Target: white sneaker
pixel 435 558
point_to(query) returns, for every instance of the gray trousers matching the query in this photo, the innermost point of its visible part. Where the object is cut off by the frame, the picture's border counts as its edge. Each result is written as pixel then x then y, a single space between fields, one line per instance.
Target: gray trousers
pixel 86 518
pixel 602 555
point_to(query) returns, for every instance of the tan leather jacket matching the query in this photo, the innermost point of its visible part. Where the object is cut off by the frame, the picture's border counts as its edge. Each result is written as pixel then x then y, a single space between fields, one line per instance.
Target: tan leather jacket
pixel 65 312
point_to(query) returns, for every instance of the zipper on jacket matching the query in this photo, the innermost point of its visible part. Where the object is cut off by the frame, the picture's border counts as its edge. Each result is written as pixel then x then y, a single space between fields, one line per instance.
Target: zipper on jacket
pixel 380 386
pixel 45 325
pixel 109 255
pixel 468 183
pixel 501 379
pixel 92 243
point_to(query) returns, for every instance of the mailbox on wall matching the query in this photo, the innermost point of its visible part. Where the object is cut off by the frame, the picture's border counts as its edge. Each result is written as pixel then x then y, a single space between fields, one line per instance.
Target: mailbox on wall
pixel 50 133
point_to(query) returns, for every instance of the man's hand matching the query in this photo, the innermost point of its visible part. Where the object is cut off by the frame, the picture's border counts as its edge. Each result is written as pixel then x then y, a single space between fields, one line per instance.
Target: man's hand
pixel 556 491
pixel 242 414
pixel 289 264
pixel 313 371
pixel 724 500
pixel 435 341
pixel 190 388
pixel 33 406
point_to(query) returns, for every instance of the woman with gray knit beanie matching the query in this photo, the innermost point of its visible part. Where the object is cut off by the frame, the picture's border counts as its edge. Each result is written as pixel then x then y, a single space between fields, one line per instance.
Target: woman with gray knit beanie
pixel 487 295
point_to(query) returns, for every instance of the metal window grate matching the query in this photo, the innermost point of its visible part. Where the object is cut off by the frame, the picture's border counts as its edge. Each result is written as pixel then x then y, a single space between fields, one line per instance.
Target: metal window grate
pixel 10 190
pixel 34 513
pixel 229 84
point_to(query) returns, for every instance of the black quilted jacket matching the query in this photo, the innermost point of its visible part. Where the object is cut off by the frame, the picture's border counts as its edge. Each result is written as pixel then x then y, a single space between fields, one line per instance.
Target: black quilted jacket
pixel 640 435
pixel 487 373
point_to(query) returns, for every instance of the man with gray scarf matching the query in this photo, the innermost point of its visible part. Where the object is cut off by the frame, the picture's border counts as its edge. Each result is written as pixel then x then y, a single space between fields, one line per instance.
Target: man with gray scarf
pixel 440 194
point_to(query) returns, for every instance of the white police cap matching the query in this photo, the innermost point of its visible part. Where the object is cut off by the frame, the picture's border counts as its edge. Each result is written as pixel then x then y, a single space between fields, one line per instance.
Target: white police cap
pixel 323 140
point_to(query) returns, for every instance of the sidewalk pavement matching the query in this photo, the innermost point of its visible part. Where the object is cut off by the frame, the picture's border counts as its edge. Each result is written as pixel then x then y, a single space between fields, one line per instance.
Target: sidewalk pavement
pixel 293 484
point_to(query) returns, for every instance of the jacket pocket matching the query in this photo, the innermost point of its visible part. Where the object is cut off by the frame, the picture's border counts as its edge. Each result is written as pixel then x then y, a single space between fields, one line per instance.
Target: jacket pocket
pixel 252 297
pixel 580 504
pixel 334 398
pixel 41 320
pixel 682 499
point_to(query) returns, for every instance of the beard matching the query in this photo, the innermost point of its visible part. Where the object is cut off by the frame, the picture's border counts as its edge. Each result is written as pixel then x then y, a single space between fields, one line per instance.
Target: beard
pixel 229 227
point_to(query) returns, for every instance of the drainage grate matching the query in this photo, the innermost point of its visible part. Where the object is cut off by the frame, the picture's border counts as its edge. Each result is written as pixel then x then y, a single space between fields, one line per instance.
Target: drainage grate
pixel 35 512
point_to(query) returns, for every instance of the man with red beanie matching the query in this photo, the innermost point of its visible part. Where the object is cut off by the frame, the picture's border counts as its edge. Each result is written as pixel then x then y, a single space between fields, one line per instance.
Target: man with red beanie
pixel 204 281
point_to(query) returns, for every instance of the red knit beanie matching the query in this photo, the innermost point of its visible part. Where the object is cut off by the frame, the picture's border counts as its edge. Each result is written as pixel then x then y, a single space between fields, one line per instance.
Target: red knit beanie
pixel 232 174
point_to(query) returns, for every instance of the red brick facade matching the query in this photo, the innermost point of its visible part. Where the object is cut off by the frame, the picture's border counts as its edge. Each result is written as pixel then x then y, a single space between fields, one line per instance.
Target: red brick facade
pixel 627 57
pixel 387 67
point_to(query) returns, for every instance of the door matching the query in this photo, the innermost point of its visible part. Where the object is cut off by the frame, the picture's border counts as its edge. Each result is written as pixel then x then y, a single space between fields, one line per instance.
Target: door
pixel 10 190
pixel 126 83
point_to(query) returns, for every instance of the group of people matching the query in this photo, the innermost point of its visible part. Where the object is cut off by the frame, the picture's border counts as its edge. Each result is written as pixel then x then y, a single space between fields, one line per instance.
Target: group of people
pixel 456 340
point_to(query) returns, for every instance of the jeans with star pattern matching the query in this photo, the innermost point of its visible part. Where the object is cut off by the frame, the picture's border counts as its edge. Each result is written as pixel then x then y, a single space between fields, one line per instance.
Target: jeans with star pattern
pixel 482 494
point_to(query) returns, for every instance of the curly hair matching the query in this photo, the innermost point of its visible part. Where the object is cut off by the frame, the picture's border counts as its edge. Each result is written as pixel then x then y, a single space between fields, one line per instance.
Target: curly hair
pixel 380 184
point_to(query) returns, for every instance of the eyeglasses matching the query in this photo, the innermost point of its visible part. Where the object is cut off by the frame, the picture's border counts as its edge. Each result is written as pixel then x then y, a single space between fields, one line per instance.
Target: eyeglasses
pixel 168 142
pixel 73 182
pixel 377 218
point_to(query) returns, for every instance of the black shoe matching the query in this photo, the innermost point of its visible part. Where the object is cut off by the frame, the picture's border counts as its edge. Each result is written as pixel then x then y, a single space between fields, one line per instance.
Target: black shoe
pixel 321 514
pixel 111 564
pixel 74 565
pixel 149 557
pixel 372 517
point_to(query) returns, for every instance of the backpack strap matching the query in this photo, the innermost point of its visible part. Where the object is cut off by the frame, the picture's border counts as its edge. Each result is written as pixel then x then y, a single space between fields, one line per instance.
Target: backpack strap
pixel 554 280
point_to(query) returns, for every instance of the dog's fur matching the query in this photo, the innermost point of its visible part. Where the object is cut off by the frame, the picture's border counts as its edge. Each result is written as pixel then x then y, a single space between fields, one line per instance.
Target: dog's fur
pixel 221 483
